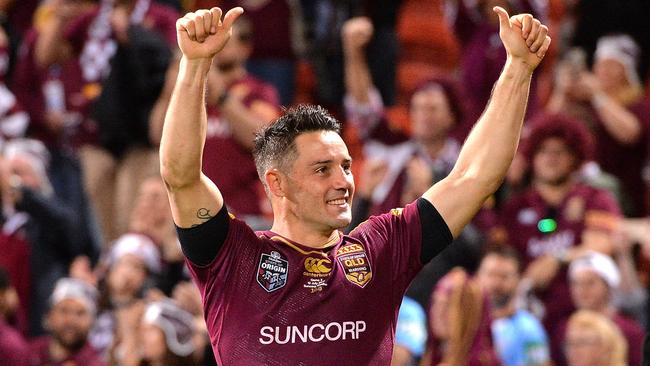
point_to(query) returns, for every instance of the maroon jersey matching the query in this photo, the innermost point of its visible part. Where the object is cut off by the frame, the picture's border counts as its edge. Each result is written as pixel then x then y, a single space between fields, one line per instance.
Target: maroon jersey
pixel 271 301
pixel 523 218
pixel 13 348
pixel 229 164
pixel 40 355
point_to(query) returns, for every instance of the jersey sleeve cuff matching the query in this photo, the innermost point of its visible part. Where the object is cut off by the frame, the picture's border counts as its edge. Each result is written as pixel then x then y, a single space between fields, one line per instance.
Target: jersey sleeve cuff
pixel 436 235
pixel 201 243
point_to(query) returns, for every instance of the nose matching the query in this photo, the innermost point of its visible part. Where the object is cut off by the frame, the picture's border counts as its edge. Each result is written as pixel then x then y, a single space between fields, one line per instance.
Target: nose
pixel 343 180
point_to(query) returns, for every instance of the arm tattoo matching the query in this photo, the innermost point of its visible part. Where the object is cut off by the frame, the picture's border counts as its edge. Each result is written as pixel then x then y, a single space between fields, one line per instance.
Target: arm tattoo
pixel 204 214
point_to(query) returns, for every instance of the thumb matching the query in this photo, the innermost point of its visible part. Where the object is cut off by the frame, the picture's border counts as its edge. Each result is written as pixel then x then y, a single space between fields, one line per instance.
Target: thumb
pixel 504 18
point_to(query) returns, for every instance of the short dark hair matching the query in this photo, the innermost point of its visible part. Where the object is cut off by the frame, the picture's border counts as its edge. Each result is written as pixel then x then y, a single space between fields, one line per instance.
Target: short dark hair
pixel 503 251
pixel 275 144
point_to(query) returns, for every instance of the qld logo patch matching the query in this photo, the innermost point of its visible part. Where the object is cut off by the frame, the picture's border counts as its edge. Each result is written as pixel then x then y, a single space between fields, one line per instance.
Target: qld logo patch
pixel 272 272
pixel 355 264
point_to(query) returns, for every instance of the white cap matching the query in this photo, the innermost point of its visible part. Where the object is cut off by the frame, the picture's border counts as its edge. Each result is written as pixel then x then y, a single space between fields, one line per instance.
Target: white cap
pixel 72 288
pixel 140 246
pixel 621 48
pixel 600 264
pixel 176 323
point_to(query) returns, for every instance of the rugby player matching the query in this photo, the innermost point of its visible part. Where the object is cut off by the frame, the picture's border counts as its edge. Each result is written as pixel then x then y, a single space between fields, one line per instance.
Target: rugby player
pixel 302 293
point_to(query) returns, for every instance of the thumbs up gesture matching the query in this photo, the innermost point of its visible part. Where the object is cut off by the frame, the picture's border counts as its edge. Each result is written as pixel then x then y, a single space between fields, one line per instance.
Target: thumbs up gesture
pixel 202 34
pixel 524 37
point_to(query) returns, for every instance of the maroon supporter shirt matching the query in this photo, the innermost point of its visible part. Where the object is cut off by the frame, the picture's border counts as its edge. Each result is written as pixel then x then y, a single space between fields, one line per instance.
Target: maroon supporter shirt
pixel 521 217
pixel 13 348
pixel 229 164
pixel 271 301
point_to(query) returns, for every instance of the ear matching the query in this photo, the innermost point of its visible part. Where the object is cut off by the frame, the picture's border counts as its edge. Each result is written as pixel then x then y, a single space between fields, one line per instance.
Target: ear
pixel 275 182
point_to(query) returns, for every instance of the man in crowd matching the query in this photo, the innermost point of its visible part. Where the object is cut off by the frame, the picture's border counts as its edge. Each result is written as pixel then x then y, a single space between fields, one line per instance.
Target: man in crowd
pixel 68 322
pixel 519 337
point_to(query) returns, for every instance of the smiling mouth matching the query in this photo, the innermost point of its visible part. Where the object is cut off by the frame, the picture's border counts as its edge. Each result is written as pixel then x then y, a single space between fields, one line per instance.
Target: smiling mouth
pixel 337 202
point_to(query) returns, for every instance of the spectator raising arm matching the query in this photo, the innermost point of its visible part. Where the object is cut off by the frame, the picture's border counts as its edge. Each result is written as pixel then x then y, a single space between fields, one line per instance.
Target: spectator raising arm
pixel 490 147
pixel 193 197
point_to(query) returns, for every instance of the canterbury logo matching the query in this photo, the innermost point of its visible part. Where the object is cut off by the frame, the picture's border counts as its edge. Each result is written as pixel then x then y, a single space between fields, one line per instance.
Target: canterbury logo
pixel 318 265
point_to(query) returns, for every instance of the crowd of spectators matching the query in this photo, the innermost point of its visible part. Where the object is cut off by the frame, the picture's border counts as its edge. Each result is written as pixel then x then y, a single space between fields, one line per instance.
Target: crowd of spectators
pixel 554 270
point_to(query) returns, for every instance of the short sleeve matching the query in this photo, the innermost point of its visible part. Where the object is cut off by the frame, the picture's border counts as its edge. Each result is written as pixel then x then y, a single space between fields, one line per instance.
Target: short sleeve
pixel 400 234
pixel 603 211
pixel 238 241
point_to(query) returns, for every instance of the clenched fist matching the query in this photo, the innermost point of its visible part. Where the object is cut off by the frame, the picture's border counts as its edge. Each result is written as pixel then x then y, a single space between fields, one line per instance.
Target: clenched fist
pixel 202 34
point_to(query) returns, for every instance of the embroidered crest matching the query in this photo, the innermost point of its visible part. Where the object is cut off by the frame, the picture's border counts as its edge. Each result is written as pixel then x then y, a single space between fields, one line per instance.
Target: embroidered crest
pixel 355 264
pixel 272 272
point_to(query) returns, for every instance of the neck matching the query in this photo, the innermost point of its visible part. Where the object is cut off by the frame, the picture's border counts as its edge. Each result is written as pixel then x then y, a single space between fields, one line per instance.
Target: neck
pixel 434 146
pixel 57 351
pixel 553 194
pixel 503 312
pixel 302 234
pixel 605 309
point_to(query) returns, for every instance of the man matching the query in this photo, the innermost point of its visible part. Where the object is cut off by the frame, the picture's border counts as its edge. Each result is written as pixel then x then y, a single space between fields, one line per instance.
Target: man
pixel 519 337
pixel 68 321
pixel 594 280
pixel 302 292
pixel 413 162
pixel 557 217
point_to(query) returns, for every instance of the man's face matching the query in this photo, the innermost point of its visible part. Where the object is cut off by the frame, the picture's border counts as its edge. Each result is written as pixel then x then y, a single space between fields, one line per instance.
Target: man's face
pixel 498 276
pixel 69 322
pixel 431 116
pixel 320 186
pixel 589 291
pixel 610 73
pixel 127 276
pixel 553 162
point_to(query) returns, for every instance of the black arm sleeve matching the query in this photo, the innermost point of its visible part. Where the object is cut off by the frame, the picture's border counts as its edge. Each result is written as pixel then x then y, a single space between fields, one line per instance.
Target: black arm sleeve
pixel 436 235
pixel 201 243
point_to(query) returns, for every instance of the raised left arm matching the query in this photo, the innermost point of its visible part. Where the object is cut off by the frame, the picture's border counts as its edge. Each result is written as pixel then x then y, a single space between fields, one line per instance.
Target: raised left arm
pixel 490 147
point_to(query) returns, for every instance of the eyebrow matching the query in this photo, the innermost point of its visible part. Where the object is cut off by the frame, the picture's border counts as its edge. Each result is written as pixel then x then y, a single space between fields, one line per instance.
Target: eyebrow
pixel 329 161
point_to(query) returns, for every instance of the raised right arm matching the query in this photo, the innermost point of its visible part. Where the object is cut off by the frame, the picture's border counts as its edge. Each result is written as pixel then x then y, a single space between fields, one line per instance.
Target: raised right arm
pixel 356 34
pixel 193 197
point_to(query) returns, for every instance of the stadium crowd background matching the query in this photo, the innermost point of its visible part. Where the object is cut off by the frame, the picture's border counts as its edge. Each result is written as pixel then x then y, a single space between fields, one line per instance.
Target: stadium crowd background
pixel 555 268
